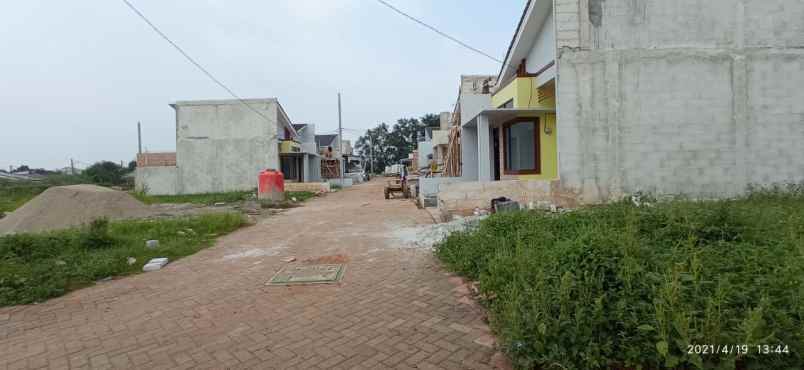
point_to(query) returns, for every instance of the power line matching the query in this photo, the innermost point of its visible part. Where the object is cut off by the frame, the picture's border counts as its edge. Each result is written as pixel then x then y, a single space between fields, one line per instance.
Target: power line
pixel 191 60
pixel 436 30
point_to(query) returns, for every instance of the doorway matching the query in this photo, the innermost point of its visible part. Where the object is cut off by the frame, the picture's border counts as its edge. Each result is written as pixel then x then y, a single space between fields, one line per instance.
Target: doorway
pixel 495 152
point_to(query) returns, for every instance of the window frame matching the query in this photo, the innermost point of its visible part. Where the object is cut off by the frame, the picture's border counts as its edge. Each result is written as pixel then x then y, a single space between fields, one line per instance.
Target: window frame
pixel 509 104
pixel 536 150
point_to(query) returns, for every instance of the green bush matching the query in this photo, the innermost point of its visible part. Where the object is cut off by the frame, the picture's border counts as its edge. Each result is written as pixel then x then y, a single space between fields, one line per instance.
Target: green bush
pixel 34 267
pixel 97 236
pixel 625 286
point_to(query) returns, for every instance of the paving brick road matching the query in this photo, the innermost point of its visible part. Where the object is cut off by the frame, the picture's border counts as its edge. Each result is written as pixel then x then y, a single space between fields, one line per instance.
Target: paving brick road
pixel 395 308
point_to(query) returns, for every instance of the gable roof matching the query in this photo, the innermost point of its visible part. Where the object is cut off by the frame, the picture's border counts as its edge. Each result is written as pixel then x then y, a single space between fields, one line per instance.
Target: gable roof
pixel 534 15
pixel 325 140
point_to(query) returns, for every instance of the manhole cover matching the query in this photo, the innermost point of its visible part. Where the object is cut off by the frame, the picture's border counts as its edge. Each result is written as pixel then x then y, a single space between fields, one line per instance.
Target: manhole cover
pixel 308 274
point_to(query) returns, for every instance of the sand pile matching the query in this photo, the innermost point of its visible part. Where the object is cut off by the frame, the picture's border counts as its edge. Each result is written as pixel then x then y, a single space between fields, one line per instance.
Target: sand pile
pixel 62 207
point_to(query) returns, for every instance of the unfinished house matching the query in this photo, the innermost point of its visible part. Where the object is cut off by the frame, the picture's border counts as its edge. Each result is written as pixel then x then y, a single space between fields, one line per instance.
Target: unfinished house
pixel 221 145
pixel 598 99
pixel 457 143
pixel 440 140
pixel 332 159
pixel 298 155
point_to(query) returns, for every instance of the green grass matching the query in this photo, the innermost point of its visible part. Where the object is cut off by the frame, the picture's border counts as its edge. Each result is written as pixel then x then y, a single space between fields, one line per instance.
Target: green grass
pixel 301 196
pixel 35 267
pixel 621 286
pixel 212 198
pixel 14 196
pixel 204 199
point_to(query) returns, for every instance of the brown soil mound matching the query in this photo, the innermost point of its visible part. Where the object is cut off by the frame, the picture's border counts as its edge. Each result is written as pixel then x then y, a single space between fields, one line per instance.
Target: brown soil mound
pixel 63 207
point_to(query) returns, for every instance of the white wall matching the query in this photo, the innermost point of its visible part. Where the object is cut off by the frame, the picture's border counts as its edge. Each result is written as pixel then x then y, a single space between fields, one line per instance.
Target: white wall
pixel 222 145
pixel 695 97
pixel 469 153
pixel 543 50
pixel 472 105
pixel 156 180
pixel 307 139
pixel 425 148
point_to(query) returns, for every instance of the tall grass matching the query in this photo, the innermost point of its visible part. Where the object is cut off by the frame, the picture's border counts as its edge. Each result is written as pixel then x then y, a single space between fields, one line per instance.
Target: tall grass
pixel 34 267
pixel 620 286
pixel 205 199
pixel 13 196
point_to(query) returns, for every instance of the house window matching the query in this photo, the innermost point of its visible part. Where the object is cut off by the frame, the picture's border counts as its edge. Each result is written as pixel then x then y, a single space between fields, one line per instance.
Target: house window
pixel 522 146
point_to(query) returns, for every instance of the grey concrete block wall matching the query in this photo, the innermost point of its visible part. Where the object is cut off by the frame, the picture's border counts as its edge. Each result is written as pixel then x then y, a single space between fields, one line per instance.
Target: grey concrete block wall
pixel 222 145
pixel 679 97
pixel 156 180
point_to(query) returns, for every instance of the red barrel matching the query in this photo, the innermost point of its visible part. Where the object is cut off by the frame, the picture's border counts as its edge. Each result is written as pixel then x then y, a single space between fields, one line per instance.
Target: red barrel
pixel 271 185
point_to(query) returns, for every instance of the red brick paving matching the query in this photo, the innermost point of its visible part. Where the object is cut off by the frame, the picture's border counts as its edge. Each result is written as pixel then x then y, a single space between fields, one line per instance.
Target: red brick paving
pixel 395 308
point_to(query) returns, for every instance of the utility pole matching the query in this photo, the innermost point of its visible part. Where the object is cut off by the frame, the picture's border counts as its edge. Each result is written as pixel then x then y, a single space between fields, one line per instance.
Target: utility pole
pixel 139 137
pixel 340 139
pixel 72 167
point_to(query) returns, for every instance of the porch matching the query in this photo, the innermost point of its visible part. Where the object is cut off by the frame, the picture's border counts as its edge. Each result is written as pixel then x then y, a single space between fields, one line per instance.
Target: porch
pixel 511 144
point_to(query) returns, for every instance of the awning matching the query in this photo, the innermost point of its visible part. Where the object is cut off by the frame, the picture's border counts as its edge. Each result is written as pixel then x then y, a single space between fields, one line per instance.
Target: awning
pixel 501 115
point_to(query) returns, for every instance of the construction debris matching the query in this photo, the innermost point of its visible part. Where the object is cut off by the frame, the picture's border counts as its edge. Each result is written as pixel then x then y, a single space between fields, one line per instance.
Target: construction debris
pixel 427 236
pixel 155 264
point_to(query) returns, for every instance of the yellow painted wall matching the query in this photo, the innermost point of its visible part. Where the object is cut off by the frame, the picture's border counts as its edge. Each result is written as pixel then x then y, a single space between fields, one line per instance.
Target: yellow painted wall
pixel 525 93
pixel 288 146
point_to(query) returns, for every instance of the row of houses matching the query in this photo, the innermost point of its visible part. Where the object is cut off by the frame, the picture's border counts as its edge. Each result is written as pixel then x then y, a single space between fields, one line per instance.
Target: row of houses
pixel 599 99
pixel 221 146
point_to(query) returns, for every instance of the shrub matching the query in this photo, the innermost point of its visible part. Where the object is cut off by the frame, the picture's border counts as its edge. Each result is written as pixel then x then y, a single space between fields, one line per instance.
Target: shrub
pixel 624 286
pixel 96 235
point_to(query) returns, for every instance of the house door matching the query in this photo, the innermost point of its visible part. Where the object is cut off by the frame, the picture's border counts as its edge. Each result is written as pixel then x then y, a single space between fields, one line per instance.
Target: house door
pixel 495 153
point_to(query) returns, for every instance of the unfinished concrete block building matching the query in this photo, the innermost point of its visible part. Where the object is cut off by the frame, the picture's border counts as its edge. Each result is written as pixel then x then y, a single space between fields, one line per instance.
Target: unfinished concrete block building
pixel 602 98
pixel 684 96
pixel 221 146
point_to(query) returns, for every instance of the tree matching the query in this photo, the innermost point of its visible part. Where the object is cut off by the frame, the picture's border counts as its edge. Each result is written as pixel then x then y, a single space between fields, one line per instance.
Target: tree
pixel 374 146
pixel 391 146
pixel 132 166
pixel 431 120
pixel 105 173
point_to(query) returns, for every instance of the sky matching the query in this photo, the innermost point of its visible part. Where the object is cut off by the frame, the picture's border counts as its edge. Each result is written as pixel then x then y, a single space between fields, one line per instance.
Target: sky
pixel 77 76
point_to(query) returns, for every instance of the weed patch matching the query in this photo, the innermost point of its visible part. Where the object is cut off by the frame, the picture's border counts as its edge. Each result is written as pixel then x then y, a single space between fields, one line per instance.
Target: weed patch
pixel 35 267
pixel 14 196
pixel 292 199
pixel 621 286
pixel 204 199
pixel 300 196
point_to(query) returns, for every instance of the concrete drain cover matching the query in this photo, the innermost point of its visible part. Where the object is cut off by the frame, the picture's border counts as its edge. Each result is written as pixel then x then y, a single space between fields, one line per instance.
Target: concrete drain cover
pixel 308 274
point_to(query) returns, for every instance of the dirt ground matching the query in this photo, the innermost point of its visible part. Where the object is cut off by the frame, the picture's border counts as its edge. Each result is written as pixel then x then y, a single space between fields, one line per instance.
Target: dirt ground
pixel 394 308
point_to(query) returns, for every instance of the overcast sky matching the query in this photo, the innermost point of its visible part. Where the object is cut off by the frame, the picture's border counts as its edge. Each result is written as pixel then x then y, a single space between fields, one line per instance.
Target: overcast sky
pixel 76 76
